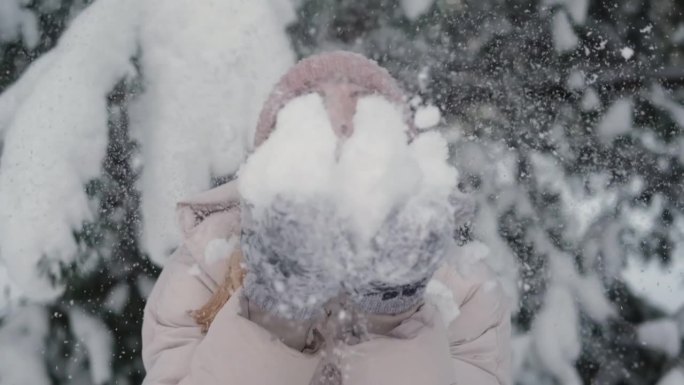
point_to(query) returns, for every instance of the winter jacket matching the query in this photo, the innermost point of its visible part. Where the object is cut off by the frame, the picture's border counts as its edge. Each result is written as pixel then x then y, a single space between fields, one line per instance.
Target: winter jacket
pixel 473 349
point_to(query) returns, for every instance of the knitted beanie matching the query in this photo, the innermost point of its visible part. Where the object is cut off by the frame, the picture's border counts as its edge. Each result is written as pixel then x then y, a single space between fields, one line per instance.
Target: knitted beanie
pixel 339 68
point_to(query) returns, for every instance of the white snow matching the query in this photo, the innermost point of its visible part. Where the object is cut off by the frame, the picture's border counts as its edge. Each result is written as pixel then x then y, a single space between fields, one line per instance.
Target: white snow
pixel 520 347
pixel 674 377
pixel 555 334
pixel 207 71
pixel 627 53
pixel 660 285
pixel 590 100
pixel 661 334
pixel 144 284
pixel 647 29
pixel 56 143
pixel 576 80
pixel 423 78
pixel 580 207
pixel 466 256
pixel 298 156
pixel 577 9
pixel 616 121
pixel 375 170
pixel 22 344
pixel 97 341
pixel 497 166
pixel 562 33
pixel 9 293
pixel 413 9
pixel 643 219
pixel 678 35
pixel 117 298
pixel 220 249
pixel 427 117
pixel 587 290
pixel 13 97
pixel 660 99
pixel 590 294
pixel 16 21
pixel 443 298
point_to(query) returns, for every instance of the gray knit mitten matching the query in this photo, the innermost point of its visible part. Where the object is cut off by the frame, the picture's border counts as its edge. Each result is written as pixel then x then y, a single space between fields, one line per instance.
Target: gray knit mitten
pixel 407 250
pixel 294 254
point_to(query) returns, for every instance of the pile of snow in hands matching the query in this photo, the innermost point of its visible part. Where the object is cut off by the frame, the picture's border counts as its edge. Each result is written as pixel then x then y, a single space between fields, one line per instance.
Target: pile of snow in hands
pixel 370 177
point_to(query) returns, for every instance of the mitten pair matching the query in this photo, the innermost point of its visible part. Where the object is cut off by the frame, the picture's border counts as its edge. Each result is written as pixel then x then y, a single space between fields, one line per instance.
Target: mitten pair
pixel 300 254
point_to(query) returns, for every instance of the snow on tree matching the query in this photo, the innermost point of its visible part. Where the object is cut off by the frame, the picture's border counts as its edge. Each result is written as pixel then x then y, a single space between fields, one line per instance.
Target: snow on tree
pixel 564 118
pixel 138 104
pixel 202 88
pixel 55 143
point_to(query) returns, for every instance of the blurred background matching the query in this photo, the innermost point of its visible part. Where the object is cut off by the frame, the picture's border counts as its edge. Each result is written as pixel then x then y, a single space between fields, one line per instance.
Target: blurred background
pixel 564 117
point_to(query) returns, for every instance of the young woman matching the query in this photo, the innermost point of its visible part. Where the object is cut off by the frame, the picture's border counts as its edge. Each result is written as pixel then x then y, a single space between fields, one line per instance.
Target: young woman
pixel 274 311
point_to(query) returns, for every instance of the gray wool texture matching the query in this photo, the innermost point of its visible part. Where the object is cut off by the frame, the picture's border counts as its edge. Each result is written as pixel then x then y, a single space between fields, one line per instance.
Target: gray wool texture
pixel 293 252
pixel 300 255
pixel 404 254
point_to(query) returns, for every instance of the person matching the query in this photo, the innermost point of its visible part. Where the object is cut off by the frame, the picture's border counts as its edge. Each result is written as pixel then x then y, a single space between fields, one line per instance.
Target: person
pixel 216 320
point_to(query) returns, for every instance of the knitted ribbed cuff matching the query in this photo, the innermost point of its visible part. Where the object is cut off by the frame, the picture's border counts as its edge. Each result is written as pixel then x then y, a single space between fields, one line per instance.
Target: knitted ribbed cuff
pixel 389 300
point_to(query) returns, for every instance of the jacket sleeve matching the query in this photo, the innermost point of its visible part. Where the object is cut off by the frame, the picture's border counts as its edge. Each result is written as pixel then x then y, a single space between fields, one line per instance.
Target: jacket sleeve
pixel 479 337
pixel 235 350
pixel 169 334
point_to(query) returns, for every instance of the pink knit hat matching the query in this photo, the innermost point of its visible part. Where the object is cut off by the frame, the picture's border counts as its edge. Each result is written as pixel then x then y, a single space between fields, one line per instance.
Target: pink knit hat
pixel 340 77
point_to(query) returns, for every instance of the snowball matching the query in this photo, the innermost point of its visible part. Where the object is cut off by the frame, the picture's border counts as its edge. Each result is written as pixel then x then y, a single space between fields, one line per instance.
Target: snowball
pixel 376 170
pixel 413 9
pixel 562 33
pixel 427 117
pixel 616 121
pixel 662 335
pixel 627 53
pixel 298 157
pixel 365 176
